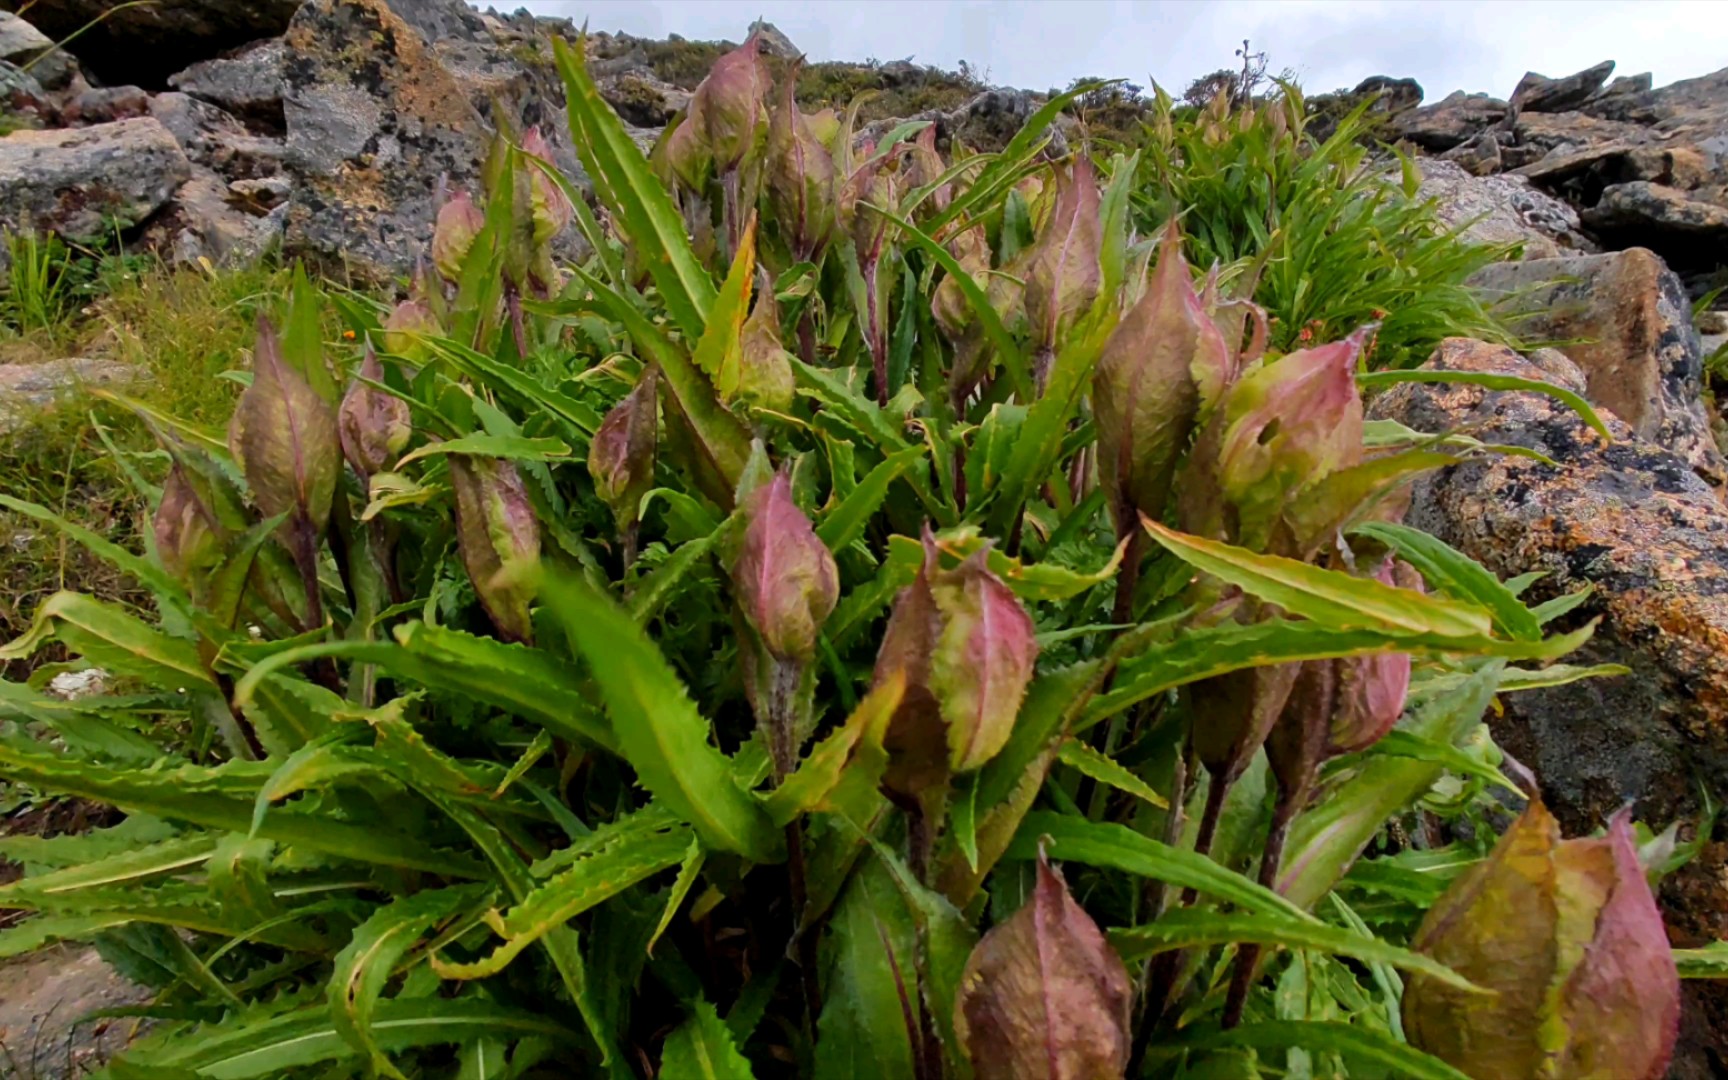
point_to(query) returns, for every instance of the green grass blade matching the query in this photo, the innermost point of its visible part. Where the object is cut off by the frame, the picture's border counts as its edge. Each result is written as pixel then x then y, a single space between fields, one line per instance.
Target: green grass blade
pixel 1490 381
pixel 1187 928
pixel 1326 596
pixel 1274 1037
pixel 1117 847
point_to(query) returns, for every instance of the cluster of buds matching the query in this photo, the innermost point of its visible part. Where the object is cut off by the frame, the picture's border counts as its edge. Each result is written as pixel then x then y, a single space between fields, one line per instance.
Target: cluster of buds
pixel 540 211
pixel 1568 936
pixel 966 649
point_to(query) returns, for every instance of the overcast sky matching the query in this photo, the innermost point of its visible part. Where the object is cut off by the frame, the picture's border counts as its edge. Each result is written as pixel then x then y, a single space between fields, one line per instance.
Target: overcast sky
pixel 1035 44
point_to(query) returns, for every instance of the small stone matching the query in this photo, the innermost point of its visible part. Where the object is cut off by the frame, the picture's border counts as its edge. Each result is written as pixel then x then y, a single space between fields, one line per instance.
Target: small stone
pixel 81 182
pixel 27 390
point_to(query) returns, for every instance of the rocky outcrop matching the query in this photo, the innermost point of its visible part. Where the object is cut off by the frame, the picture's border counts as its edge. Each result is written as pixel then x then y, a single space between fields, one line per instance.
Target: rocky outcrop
pixel 145 44
pixel 1632 522
pixel 1540 94
pixel 1501 210
pixel 379 117
pixel 82 182
pixel 1643 167
pixel 1624 319
pixel 1453 120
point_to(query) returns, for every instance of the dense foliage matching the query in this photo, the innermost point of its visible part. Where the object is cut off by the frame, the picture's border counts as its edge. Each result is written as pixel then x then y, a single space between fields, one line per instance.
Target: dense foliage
pixel 1330 237
pixel 695 661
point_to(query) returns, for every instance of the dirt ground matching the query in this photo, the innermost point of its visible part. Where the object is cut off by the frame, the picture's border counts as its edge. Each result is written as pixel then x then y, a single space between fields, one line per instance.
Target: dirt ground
pixel 43 998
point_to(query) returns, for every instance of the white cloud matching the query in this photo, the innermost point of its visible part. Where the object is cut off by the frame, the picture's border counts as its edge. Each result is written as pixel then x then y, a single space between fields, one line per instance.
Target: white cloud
pixel 1457 44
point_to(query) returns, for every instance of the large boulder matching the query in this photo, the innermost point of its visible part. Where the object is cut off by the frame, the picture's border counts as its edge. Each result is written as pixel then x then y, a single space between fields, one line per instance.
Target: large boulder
pixel 1624 319
pixel 146 43
pixel 379 118
pixel 82 182
pixel 27 47
pixel 1501 210
pixel 1540 94
pixel 1455 119
pixel 1632 522
pixel 215 139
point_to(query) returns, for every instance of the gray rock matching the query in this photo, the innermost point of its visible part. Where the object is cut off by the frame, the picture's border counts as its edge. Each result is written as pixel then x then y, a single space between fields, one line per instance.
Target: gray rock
pixel 20 94
pixel 773 42
pixel 44 998
pixel 1624 319
pixel 1632 521
pixel 145 44
pixel 211 137
pixel 1627 98
pixel 367 154
pixel 643 100
pixel 247 85
pixel 1538 93
pixel 1480 156
pixel 1455 119
pixel 1642 206
pixel 1502 210
pixel 26 390
pixel 269 191
pixel 1394 95
pixel 24 45
pixel 104 105
pixel 80 182
pixel 207 222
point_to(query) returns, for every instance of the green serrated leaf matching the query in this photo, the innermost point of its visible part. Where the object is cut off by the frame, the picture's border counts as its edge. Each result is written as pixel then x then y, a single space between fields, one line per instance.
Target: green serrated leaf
pixel 658 728
pixel 365 966
pixel 1084 759
pixel 701 1048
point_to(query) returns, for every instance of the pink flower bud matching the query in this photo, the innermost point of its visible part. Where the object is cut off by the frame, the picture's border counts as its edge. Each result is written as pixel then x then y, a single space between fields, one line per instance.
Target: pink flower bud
pixel 284 437
pixel 1147 387
pixel 408 321
pixel 621 459
pixel 459 222
pixel 967 648
pixel 1290 424
pixel 551 208
pixel 1044 995
pixel 188 540
pixel 374 426
pixel 499 539
pixel 785 577
pixel 682 155
pixel 1569 937
pixel 764 367
pixel 925 167
pixel 872 185
pixel 800 177
pixel 1064 275
pixel 731 104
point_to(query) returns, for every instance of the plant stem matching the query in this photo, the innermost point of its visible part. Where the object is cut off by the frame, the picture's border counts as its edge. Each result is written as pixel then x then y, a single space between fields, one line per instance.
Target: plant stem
pixel 878 340
pixel 1157 975
pixel 1128 579
pixel 1248 960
